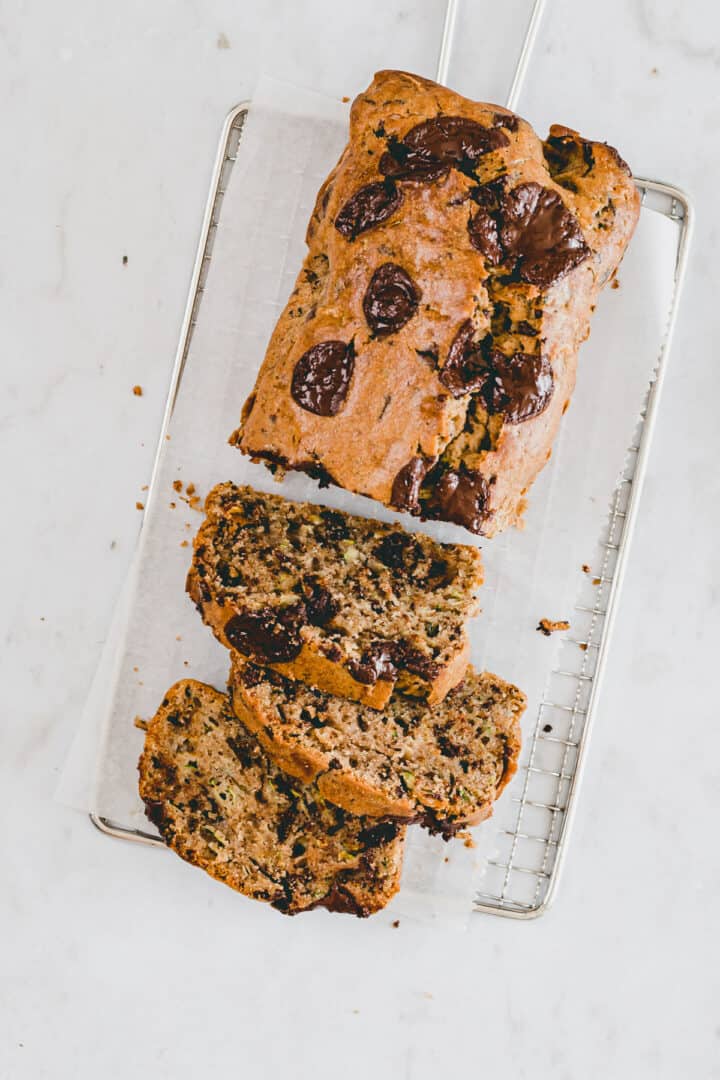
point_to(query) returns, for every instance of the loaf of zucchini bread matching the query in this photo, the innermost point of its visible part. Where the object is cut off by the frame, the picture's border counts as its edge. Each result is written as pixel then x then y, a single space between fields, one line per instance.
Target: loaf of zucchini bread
pixel 352 606
pixel 429 348
pixel 442 767
pixel 221 804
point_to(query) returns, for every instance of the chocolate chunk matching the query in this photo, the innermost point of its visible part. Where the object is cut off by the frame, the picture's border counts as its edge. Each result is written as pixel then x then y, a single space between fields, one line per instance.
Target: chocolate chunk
pixel 155 812
pixel 382 833
pixel 399 551
pixel 519 387
pixel 334 525
pixel 460 496
pixel 538 229
pixel 369 206
pixel 524 327
pixel 507 120
pixel 484 235
pixel 320 604
pixel 406 485
pixel 391 299
pixel 568 154
pixel 433 146
pixel 402 163
pixel 376 662
pixel 340 900
pixel 465 369
pixel 243 751
pixel 322 376
pixel 382 659
pixel 270 634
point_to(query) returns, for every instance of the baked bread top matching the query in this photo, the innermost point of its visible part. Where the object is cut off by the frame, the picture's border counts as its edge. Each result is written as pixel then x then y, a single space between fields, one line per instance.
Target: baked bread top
pixel 221 804
pixel 428 350
pixel 443 767
pixel 351 605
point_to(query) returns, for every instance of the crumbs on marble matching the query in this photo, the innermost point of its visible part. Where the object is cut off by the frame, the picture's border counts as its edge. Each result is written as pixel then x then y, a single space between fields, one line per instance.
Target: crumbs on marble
pixel 597 581
pixel 124 260
pixel 549 626
pixel 547 728
pixel 184 543
pixel 615 283
pixel 223 41
pixel 137 390
pixel 585 568
pixel 395 923
pixel 139 506
pixel 344 99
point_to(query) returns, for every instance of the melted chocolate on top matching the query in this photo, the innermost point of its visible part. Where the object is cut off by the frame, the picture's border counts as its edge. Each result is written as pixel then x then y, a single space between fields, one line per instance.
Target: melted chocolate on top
pixel 391 299
pixel 460 496
pixel 406 485
pixel 322 376
pixel 369 206
pixel 465 369
pixel 432 147
pixel 519 386
pixel 537 228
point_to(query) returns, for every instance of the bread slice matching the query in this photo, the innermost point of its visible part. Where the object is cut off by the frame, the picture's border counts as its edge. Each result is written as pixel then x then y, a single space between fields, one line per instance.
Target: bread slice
pixel 443 767
pixel 352 606
pixel 222 805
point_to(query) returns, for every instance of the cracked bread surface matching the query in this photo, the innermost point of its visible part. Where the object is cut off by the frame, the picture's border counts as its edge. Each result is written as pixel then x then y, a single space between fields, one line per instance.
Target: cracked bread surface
pixel 442 767
pixel 347 604
pixel 429 349
pixel 221 804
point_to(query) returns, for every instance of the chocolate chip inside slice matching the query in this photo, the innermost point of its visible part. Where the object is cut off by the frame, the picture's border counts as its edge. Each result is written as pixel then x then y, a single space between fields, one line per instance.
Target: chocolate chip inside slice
pixel 320 604
pixel 465 369
pixel 460 496
pixel 369 206
pixel 322 376
pixel 382 659
pixel 519 386
pixel 270 635
pixel 391 299
pixel 538 229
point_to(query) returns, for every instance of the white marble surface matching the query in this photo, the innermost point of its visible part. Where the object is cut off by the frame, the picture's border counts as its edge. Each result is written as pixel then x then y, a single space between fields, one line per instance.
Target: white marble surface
pixel 117 961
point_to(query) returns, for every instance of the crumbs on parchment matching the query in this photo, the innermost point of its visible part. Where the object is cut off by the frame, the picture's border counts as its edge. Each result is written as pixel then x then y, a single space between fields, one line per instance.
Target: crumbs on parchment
pixel 137 390
pixel 549 626
pixel 190 496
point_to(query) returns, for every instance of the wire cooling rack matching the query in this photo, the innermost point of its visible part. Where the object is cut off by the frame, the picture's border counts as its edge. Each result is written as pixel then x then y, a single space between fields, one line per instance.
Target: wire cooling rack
pixel 523 875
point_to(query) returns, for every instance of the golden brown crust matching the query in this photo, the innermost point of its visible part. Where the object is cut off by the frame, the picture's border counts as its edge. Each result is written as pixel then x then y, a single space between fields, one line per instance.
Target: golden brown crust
pixel 397 408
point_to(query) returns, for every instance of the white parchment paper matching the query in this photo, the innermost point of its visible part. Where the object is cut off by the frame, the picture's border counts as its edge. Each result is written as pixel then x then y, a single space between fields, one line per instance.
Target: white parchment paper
pixel 290 141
